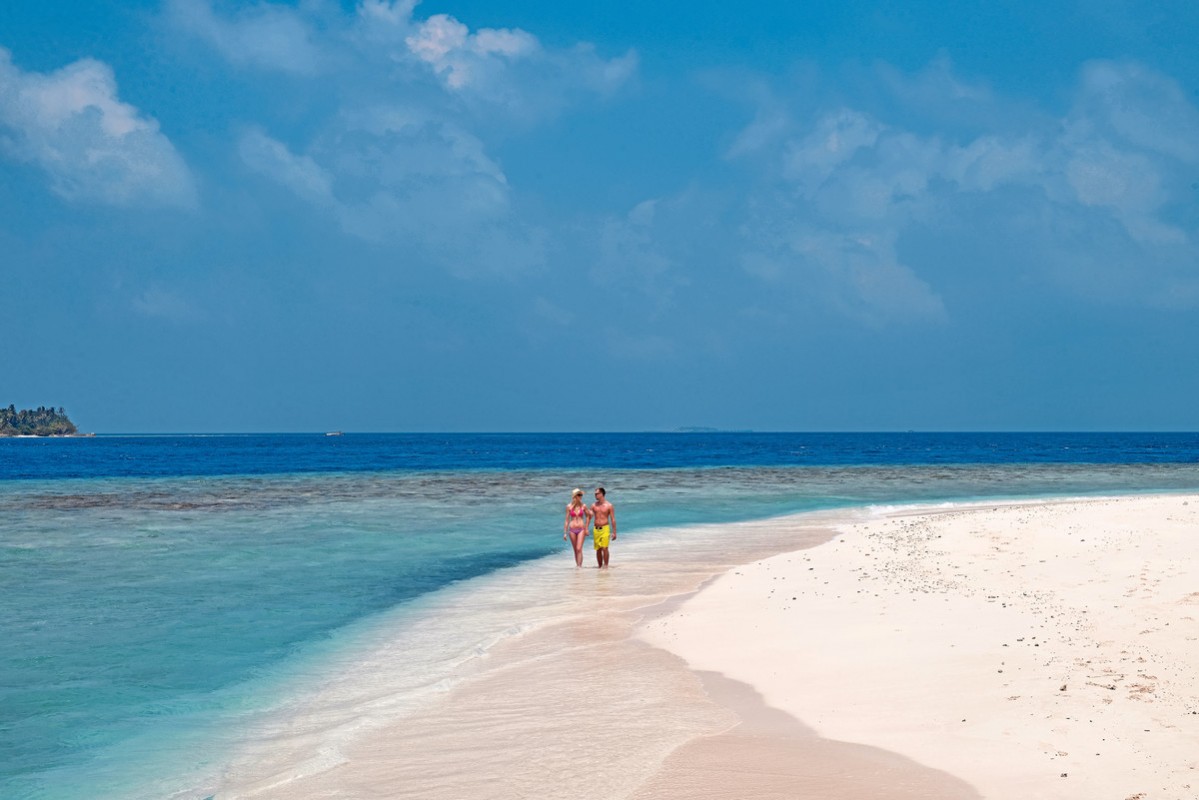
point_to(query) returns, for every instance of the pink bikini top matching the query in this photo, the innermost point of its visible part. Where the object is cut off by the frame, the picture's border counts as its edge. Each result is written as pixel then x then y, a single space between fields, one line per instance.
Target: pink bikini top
pixel 578 512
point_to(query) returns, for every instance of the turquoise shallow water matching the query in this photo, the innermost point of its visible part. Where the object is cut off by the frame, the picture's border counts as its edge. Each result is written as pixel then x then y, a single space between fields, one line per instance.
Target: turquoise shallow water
pixel 146 619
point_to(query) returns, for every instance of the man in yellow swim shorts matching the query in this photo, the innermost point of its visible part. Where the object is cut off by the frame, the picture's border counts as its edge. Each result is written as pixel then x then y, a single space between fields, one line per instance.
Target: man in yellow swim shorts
pixel 605 526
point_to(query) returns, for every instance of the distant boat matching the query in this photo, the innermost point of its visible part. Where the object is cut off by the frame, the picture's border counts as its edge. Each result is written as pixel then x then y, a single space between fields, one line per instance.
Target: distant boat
pixel 333 433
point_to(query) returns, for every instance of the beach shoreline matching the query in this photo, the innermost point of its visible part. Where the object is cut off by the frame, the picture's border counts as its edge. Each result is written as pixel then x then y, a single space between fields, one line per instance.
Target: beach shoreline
pixel 768 662
pixel 507 722
pixel 281 620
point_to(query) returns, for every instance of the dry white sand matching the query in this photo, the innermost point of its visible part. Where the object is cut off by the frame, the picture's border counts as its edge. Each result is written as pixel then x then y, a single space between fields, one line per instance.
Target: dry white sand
pixel 1042 650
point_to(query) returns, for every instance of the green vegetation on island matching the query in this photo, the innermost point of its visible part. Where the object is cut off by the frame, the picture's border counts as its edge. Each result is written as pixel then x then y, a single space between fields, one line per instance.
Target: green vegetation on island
pixel 41 421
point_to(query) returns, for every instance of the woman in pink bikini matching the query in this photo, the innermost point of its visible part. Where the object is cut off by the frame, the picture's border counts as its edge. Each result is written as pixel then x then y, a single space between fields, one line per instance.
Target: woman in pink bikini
pixel 578 518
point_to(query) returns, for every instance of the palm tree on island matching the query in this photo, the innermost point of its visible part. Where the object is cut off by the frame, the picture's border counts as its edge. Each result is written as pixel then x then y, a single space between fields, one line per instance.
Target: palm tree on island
pixel 41 421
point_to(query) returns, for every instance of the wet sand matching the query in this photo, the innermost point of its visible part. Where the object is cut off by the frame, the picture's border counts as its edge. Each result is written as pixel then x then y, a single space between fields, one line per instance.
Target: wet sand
pixel 770 755
pixel 575 705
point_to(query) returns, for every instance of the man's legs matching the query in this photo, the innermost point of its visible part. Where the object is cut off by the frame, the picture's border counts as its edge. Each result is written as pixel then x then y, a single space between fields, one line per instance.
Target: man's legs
pixel 601 556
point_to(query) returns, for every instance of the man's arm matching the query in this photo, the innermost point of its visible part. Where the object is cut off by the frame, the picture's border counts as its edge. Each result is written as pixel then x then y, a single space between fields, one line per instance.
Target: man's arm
pixel 612 519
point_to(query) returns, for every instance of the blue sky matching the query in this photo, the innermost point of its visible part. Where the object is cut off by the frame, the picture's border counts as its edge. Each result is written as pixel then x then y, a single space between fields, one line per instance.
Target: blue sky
pixel 236 216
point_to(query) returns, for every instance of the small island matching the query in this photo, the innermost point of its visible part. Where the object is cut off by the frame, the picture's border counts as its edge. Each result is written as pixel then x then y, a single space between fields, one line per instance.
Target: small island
pixel 41 421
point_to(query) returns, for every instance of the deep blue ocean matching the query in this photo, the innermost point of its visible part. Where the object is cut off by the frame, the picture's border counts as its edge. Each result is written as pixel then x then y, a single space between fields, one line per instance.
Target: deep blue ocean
pixel 152 586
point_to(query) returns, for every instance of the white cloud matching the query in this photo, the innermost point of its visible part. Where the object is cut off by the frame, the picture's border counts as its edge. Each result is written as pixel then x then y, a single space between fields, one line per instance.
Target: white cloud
pixel 408 141
pixel 650 251
pixel 1139 107
pixel 865 277
pixel 845 190
pixel 389 12
pixel 392 175
pixel 507 68
pixel 460 56
pixel 92 146
pixel 642 214
pixel 854 271
pixel 1126 184
pixel 992 161
pixel 769 125
pixel 933 86
pixel 837 138
pixel 264 35
pixel 383 48
pixel 401 154
pixel 300 174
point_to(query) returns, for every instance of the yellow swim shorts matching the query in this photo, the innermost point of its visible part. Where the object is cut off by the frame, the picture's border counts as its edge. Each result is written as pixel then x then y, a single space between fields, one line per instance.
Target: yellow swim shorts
pixel 600 536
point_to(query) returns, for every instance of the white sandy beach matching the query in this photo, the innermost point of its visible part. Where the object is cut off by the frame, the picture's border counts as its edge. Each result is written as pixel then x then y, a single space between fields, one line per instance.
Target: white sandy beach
pixel 1043 650
pixel 1024 650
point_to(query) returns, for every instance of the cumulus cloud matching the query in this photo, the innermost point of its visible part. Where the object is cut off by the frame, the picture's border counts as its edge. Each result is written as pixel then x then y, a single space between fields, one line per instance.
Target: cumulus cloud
pixel 388 171
pixel 393 175
pixel 401 155
pixel 458 55
pixel 852 270
pixel 845 189
pixel 837 138
pixel 300 174
pixel 655 252
pixel 265 35
pixel 1131 103
pixel 932 86
pixel 494 67
pixel 93 148
pixel 383 46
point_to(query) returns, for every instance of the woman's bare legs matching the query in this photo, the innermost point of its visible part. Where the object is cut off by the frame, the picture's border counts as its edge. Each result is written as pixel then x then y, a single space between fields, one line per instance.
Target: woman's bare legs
pixel 576 541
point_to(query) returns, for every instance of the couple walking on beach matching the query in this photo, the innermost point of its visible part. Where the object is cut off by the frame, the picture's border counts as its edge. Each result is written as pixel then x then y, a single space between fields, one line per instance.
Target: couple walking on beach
pixel 579 517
